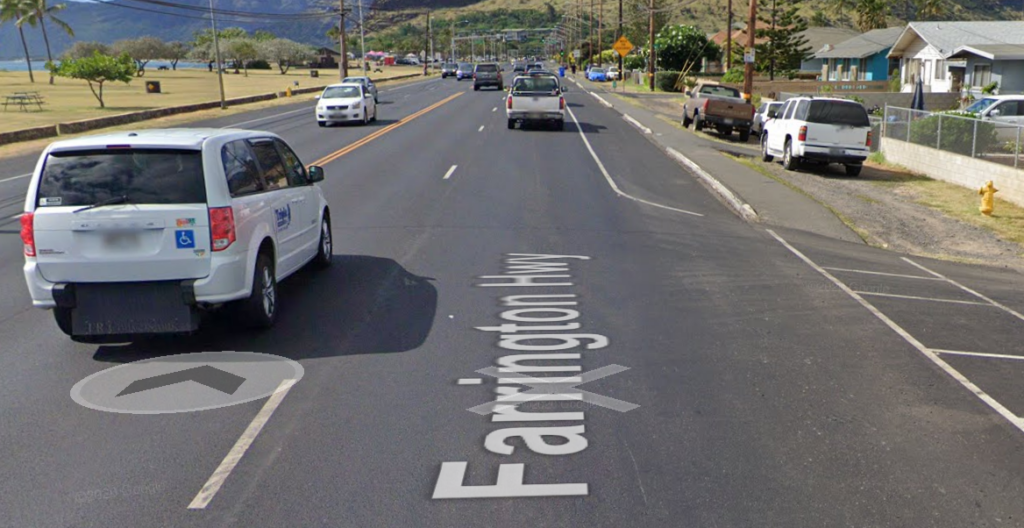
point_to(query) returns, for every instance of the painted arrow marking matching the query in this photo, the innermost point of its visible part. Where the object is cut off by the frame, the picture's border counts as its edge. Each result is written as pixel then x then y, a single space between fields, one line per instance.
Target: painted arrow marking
pixel 212 377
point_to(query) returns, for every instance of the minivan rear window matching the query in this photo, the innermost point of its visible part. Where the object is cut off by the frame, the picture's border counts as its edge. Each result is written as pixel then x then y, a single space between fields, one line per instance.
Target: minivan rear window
pixel 838 113
pixel 144 176
pixel 489 68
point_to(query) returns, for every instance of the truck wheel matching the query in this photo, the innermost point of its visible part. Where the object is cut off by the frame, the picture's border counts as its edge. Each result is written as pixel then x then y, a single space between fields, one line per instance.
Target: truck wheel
pixel 744 135
pixel 698 123
pixel 853 170
pixel 511 124
pixel 765 156
pixel 789 161
pixel 686 120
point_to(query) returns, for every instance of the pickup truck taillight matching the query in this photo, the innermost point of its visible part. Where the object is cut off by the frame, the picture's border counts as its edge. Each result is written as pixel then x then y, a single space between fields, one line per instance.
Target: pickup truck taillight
pixel 28 234
pixel 704 109
pixel 561 103
pixel 508 102
pixel 868 142
pixel 803 133
pixel 222 227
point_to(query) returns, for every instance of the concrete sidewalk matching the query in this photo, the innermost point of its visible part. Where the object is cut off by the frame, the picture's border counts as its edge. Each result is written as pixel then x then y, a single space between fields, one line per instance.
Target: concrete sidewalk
pixel 774 203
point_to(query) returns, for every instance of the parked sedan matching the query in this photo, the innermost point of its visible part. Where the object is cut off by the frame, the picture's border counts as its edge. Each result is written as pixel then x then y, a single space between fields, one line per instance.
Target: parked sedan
pixel 597 75
pixel 765 111
pixel 613 73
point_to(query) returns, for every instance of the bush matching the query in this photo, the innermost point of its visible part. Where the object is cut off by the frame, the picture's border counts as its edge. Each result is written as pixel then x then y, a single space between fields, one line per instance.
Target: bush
pixel 258 64
pixel 957 134
pixel 990 88
pixel 734 75
pixel 667 81
pixel 895 84
pixel 633 62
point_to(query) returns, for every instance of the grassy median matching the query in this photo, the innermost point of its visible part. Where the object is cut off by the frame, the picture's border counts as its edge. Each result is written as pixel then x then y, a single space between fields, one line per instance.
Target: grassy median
pixel 70 100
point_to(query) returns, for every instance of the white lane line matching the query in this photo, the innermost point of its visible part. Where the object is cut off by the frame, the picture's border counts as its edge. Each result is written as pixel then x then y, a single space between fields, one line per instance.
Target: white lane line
pixel 470 381
pixel 955 374
pixel 599 98
pixel 205 495
pixel 608 177
pixel 866 272
pixel 481 129
pixel 976 354
pixel 234 125
pixel 742 207
pixel 450 172
pixel 914 298
pixel 495 109
pixel 12 178
pixel 966 289
pixel 636 123
pixel 15 216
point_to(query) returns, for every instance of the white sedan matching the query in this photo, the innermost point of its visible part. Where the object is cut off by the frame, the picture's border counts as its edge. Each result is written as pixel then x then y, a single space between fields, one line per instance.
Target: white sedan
pixel 345 102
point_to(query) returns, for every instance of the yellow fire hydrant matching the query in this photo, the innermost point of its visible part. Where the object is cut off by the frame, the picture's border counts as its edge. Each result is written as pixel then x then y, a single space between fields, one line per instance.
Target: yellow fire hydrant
pixel 988 198
pixel 288 91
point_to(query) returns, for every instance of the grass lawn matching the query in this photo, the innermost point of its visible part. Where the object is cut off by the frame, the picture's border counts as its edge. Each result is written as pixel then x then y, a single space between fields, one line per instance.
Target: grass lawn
pixel 70 100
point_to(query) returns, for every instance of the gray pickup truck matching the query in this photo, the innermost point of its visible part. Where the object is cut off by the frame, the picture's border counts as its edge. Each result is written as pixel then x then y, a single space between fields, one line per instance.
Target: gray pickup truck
pixel 712 104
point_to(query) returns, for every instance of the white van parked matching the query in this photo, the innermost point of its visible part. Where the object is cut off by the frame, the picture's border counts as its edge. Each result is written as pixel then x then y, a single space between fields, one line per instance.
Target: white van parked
pixel 820 130
pixel 136 232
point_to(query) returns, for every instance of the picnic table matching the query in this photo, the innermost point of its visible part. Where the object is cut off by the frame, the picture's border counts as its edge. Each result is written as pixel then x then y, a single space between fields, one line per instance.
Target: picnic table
pixel 23 100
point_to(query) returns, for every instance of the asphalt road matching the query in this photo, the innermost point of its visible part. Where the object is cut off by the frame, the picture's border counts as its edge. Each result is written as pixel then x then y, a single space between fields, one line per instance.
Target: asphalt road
pixel 768 393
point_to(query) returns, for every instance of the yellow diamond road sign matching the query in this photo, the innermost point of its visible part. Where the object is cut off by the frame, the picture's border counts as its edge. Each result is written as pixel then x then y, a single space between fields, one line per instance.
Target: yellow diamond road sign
pixel 623 46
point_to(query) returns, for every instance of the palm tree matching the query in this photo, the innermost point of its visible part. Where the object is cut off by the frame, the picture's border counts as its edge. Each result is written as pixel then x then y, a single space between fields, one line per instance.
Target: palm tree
pixel 38 13
pixel 932 9
pixel 14 10
pixel 872 14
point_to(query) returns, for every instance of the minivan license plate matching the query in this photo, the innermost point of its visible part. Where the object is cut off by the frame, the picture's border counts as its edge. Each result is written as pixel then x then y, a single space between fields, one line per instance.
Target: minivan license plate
pixel 120 241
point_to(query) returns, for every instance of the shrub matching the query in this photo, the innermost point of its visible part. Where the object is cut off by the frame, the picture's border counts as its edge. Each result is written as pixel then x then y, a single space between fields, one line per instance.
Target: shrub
pixel 895 84
pixel 667 81
pixel 990 88
pixel 957 134
pixel 633 62
pixel 734 75
pixel 258 64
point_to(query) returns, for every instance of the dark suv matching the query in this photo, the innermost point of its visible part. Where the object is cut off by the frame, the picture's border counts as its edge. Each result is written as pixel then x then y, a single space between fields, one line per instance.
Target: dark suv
pixel 449 70
pixel 488 74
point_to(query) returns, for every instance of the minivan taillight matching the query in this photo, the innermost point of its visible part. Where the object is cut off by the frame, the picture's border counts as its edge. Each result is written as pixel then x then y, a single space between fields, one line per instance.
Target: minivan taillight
pixel 868 142
pixel 803 133
pixel 222 227
pixel 28 234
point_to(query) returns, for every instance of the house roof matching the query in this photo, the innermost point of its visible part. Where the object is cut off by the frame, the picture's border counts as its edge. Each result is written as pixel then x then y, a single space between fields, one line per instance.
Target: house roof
pixel 946 37
pixel 990 51
pixel 861 46
pixel 819 37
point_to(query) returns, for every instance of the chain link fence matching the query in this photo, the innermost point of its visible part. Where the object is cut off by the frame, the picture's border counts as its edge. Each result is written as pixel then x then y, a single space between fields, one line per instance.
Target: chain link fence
pixel 994 141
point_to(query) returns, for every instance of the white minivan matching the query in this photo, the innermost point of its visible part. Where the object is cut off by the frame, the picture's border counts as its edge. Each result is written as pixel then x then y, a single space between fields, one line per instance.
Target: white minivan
pixel 136 233
pixel 818 130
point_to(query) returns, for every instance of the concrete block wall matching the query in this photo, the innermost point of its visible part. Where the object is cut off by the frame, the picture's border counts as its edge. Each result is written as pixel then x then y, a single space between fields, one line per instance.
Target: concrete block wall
pixel 953 168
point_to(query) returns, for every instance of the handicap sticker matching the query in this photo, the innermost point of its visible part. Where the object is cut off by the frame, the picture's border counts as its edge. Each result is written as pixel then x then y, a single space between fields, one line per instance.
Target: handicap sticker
pixel 284 217
pixel 185 239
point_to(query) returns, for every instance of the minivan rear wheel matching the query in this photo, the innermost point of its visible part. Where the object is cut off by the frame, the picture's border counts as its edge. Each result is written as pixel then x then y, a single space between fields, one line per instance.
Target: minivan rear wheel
pixel 326 250
pixel 260 309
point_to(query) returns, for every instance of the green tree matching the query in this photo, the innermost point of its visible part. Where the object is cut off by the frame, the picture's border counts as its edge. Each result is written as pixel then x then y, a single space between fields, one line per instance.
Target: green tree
pixel 39 13
pixel 176 51
pixel 141 50
pixel 872 14
pixel 96 70
pixel 819 19
pixel 785 46
pixel 932 9
pixel 682 48
pixel 286 53
pixel 263 36
pixel 15 11
pixel 240 51
pixel 83 49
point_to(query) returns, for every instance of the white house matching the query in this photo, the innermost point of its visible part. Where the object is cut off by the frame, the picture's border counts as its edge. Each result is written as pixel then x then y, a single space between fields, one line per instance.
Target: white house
pixel 934 51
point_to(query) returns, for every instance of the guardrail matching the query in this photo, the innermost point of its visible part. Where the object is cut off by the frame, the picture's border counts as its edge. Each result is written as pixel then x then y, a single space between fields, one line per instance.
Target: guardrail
pixel 993 141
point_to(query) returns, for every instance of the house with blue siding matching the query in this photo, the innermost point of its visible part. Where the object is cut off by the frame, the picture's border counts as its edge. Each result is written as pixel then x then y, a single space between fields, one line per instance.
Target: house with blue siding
pixel 861 58
pixel 820 38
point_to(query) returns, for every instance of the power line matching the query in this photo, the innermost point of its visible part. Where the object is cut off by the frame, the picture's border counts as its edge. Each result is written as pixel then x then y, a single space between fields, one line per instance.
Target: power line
pixel 243 14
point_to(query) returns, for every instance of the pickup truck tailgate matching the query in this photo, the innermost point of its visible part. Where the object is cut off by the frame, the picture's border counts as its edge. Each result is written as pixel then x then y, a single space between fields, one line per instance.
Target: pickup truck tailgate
pixel 728 109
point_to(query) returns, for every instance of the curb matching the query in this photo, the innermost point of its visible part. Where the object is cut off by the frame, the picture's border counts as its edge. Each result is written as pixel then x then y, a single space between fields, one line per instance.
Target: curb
pixel 742 208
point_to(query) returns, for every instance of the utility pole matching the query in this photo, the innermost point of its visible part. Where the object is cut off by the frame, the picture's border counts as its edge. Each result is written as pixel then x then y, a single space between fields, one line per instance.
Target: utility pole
pixel 453 59
pixel 362 38
pixel 590 40
pixel 343 63
pixel 771 47
pixel 216 51
pixel 728 40
pixel 748 73
pixel 600 27
pixel 650 60
pixel 428 48
pixel 622 72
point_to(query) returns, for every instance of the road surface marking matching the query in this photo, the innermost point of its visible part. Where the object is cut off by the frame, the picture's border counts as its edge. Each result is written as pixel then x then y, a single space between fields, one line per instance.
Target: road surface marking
pixel 966 289
pixel 866 272
pixel 234 125
pixel 216 480
pixel 599 98
pixel 976 354
pixel 16 216
pixel 636 123
pixel 12 178
pixel 608 177
pixel 928 353
pixel 495 109
pixel 450 172
pixel 915 298
pixel 470 381
pixel 352 146
pixel 481 129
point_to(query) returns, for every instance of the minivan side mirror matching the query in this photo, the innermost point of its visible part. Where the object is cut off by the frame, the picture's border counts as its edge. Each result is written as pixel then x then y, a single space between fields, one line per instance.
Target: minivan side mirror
pixel 316 174
pixel 689 93
pixel 565 89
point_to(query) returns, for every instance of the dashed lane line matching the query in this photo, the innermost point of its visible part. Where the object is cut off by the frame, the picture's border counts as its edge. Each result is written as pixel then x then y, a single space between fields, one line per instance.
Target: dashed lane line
pixel 450 172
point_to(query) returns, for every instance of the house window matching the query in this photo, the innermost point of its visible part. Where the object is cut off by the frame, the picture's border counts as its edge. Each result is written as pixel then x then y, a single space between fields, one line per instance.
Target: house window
pixel 982 75
pixel 940 70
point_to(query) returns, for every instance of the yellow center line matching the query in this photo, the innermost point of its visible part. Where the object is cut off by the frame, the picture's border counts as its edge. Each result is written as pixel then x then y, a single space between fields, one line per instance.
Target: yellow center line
pixel 352 146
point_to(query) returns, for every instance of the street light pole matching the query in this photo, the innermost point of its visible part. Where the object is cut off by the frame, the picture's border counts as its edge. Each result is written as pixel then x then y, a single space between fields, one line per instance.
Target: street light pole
pixel 216 51
pixel 748 77
pixel 362 37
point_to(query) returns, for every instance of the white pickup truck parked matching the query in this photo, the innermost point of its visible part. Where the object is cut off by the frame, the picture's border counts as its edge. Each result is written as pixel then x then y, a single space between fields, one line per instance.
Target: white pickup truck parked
pixel 536 98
